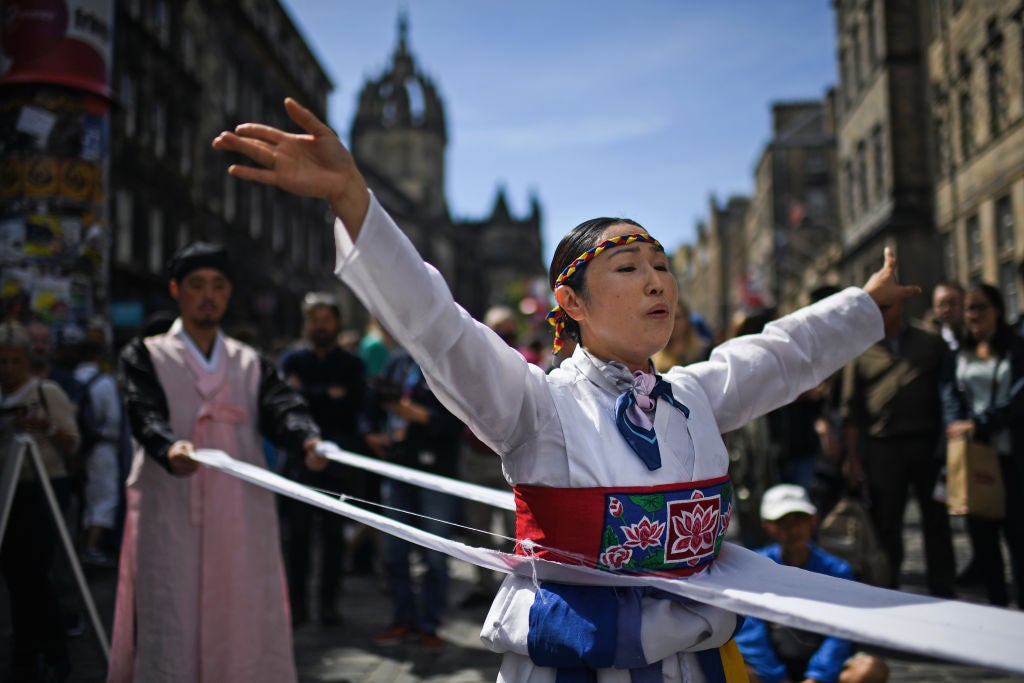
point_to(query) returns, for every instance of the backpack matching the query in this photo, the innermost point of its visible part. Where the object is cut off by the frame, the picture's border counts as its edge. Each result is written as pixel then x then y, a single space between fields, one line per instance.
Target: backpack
pixel 848 533
pixel 88 423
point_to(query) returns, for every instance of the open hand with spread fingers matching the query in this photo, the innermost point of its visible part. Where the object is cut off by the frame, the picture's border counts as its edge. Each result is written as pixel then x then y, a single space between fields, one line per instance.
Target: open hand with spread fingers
pixel 314 163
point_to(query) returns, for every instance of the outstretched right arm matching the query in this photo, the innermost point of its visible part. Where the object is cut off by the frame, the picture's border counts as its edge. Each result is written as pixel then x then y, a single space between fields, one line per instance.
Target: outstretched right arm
pixel 472 371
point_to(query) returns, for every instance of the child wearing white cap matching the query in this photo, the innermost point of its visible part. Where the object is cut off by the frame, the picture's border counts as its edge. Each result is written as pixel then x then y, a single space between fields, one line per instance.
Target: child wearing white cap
pixel 775 653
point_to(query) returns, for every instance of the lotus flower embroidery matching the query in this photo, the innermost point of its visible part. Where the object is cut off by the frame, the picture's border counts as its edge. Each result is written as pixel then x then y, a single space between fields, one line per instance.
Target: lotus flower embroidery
pixel 695 529
pixel 726 518
pixel 615 507
pixel 616 556
pixel 643 534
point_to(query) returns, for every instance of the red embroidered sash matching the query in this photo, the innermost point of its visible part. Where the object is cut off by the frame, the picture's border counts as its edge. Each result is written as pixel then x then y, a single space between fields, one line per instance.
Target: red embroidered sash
pixel 673 529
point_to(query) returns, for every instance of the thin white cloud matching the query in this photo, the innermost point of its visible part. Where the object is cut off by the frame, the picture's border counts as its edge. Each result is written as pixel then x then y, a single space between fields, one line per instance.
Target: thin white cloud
pixel 550 134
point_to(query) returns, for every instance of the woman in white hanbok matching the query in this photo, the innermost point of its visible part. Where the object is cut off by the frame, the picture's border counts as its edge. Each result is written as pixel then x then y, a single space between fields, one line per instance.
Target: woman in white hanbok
pixel 612 465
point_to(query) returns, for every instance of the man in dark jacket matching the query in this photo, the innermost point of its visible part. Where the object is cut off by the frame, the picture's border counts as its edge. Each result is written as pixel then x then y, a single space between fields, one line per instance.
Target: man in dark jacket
pixel 333 382
pixel 892 418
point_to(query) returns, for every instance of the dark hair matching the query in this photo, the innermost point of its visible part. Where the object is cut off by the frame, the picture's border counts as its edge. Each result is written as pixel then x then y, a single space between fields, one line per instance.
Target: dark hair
pixel 580 239
pixel 822 292
pixel 950 284
pixel 754 322
pixel 1001 339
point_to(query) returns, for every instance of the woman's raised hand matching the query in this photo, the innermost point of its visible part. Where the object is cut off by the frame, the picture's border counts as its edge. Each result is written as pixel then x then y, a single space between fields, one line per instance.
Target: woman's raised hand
pixel 883 287
pixel 314 163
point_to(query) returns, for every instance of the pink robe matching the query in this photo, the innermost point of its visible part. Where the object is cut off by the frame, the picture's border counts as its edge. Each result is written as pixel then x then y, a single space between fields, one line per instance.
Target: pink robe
pixel 201 584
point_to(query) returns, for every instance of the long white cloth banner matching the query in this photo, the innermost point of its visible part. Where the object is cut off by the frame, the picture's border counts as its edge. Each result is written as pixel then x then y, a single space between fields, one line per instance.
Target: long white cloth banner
pixel 483 494
pixel 740 581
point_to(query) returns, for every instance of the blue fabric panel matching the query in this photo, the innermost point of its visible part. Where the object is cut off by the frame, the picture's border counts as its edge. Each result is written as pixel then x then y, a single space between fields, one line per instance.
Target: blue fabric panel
pixel 711 665
pixel 630 651
pixel 573 626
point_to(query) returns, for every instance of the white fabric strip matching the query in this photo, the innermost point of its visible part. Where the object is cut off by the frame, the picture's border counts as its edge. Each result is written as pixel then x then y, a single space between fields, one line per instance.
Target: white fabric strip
pixel 503 500
pixel 741 581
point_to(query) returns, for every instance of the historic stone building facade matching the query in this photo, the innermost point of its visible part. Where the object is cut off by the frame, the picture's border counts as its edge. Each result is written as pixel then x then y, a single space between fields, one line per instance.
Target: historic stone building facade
pixel 919 147
pixel 185 71
pixel 882 121
pixel 182 72
pixel 792 229
pixel 976 76
pixel 770 249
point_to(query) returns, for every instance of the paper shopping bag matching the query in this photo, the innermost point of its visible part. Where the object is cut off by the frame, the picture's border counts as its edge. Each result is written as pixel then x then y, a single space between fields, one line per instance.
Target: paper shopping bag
pixel 974 481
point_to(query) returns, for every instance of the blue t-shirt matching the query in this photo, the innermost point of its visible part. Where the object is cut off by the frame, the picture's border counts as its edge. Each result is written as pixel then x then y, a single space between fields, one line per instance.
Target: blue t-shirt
pixel 757 638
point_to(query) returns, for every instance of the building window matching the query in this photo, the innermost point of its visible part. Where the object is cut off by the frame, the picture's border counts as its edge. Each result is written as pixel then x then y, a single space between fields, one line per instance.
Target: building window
pixel 849 177
pixel 230 88
pixel 1008 286
pixel 997 100
pixel 856 57
pixel 277 229
pixel 1005 238
pixel 844 79
pixel 949 255
pixel 155 259
pixel 188 49
pixel 870 28
pixel 966 105
pixel 159 129
pixel 230 198
pixel 298 240
pixel 128 96
pixel 316 250
pixel 966 126
pixel 123 241
pixel 255 212
pixel 941 148
pixel 183 236
pixel 940 129
pixel 878 154
pixel 162 22
pixel 187 140
pixel 975 259
pixel 862 175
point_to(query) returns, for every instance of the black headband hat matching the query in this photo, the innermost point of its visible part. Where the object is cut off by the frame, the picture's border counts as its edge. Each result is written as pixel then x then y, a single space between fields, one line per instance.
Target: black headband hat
pixel 198 255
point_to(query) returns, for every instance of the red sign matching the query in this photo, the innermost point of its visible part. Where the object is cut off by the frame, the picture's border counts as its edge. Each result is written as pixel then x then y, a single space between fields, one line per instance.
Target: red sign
pixel 63 42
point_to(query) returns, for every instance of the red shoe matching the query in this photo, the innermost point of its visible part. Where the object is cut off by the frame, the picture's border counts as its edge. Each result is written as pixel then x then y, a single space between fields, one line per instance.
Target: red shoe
pixel 392 635
pixel 431 641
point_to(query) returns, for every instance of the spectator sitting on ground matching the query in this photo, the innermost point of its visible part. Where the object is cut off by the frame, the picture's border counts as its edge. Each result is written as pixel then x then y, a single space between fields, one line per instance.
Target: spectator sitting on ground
pixel 775 653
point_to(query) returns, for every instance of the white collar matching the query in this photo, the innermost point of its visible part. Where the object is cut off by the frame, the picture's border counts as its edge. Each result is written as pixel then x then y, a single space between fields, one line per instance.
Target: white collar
pixel 611 375
pixel 208 364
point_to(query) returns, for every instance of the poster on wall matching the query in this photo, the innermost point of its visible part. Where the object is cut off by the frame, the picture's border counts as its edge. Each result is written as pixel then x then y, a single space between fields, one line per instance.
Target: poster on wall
pixel 42 235
pixel 12 239
pixel 54 132
pixel 51 299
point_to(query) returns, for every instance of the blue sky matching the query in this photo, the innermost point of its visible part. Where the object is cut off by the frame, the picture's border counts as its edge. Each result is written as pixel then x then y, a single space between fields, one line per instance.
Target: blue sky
pixel 601 108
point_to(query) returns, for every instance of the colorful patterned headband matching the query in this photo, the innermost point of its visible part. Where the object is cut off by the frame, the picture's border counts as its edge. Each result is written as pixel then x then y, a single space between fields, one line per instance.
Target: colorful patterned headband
pixel 556 318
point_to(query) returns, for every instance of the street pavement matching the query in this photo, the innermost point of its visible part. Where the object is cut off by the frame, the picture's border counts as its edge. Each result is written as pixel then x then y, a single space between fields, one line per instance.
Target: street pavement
pixel 346 653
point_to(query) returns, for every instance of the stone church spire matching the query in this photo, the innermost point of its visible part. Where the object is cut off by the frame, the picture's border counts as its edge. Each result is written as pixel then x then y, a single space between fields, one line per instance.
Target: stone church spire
pixel 399 129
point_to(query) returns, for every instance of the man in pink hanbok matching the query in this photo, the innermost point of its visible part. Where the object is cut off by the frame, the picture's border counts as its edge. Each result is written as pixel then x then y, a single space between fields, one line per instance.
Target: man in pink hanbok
pixel 201 593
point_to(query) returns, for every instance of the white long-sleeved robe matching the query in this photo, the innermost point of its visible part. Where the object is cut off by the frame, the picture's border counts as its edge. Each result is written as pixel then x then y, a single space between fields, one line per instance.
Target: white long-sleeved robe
pixel 559 429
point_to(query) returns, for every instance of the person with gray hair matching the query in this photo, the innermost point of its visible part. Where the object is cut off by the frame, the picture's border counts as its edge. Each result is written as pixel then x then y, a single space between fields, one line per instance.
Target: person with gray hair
pixel 333 382
pixel 40 410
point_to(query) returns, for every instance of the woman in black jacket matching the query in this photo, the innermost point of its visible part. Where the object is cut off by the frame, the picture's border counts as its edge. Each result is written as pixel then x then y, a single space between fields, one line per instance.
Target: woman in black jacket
pixel 983 398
